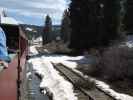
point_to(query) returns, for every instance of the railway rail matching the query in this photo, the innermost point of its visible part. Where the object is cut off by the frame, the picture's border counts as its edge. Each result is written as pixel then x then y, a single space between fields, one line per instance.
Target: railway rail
pixel 85 89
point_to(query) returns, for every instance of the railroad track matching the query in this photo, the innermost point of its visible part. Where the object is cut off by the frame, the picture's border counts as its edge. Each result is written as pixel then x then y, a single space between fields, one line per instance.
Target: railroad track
pixel 85 89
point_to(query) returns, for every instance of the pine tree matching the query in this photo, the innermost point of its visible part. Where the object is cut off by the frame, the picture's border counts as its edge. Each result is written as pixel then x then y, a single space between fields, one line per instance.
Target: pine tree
pixel 65 27
pixel 128 22
pixel 112 19
pixel 94 22
pixel 79 15
pixel 47 36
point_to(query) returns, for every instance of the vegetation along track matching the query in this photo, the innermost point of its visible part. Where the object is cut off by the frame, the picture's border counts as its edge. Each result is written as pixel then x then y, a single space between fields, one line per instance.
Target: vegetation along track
pixel 85 89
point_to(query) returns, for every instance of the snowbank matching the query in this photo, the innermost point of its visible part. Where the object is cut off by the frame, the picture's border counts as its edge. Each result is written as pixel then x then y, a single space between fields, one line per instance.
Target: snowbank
pixel 52 80
pixel 60 88
pixel 32 50
pixel 129 44
pixel 104 87
pixel 118 96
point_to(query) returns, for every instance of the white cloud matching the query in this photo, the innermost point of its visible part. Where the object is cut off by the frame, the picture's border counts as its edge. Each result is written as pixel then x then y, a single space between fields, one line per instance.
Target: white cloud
pixel 36 8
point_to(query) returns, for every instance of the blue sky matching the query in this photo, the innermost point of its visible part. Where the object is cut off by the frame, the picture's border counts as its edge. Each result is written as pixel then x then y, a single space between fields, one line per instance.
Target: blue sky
pixel 34 11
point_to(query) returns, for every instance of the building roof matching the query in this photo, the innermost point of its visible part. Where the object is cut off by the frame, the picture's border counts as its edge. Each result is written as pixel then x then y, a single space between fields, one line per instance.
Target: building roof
pixel 4 19
pixel 8 20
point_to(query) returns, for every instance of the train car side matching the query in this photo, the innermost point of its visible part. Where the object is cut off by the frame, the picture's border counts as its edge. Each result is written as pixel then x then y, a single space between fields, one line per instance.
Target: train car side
pixel 10 78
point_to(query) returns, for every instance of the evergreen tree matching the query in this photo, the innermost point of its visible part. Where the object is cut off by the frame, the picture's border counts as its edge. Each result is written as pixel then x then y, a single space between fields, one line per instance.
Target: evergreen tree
pixel 81 21
pixel 93 22
pixel 128 22
pixel 47 36
pixel 65 27
pixel 112 19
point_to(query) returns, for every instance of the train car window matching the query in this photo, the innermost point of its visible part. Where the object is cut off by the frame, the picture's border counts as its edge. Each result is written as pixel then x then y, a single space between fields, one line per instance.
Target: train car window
pixel 12 35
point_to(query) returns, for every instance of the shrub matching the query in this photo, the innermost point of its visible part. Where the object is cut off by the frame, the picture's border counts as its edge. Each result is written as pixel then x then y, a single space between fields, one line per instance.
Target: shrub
pixel 117 63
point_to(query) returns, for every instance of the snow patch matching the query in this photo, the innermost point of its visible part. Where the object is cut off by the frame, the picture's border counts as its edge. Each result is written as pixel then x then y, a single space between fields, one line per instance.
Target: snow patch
pixel 129 44
pixel 62 89
pixel 119 96
pixel 105 87
pixel 32 50
pixel 29 29
pixel 62 59
pixel 52 80
pixel 70 63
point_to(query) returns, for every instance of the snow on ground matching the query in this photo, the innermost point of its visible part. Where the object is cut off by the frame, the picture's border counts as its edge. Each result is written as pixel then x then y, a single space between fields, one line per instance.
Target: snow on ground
pixel 39 39
pixel 60 88
pixel 28 29
pixel 32 50
pixel 66 60
pixel 129 44
pixel 129 41
pixel 52 81
pixel 105 87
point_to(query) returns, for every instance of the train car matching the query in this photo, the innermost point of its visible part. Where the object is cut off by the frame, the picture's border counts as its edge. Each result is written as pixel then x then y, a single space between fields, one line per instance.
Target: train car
pixel 10 78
